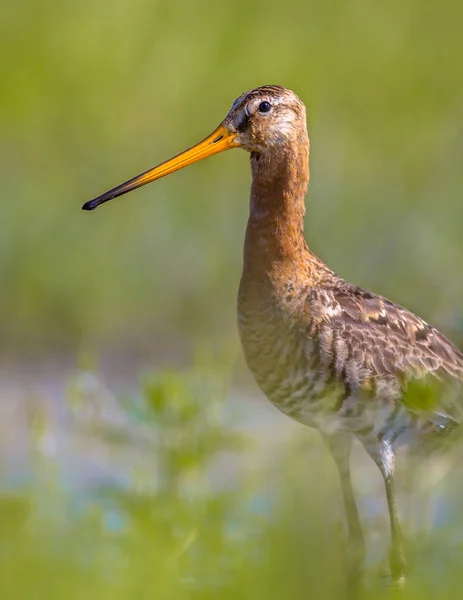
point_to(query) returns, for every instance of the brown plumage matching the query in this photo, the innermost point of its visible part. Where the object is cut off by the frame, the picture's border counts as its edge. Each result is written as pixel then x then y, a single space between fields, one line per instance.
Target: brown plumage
pixel 325 352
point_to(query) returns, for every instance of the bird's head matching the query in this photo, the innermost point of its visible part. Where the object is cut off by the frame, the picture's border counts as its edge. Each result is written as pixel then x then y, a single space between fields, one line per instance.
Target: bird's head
pixel 263 120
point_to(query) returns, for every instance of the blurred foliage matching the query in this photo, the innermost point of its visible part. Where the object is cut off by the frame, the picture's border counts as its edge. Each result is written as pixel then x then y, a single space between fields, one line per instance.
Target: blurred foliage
pixel 170 532
pixel 94 93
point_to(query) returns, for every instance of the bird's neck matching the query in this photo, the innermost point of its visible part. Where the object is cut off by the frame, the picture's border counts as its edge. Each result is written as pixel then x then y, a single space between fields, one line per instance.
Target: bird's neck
pixel 275 231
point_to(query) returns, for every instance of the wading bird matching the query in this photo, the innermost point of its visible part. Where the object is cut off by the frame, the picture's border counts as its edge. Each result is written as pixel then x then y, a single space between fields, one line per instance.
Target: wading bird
pixel 325 352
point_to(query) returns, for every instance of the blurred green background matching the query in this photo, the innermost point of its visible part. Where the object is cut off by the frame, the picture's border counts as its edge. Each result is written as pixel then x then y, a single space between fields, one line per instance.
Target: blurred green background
pixel 95 92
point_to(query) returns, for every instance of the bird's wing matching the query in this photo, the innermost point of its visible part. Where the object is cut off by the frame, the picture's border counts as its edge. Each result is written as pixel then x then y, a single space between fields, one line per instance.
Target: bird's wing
pixel 366 336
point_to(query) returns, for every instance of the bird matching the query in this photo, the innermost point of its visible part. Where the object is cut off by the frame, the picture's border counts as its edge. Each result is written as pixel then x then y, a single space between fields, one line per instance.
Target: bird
pixel 325 352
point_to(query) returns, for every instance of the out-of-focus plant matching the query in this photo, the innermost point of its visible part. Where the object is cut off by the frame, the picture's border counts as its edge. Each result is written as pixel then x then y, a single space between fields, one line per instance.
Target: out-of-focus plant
pixel 165 527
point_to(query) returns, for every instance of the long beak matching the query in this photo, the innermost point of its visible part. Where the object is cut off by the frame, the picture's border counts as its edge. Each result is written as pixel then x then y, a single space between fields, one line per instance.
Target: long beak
pixel 221 139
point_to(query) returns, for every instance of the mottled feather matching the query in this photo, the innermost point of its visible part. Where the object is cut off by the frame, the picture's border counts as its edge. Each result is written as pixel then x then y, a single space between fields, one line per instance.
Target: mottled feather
pixel 408 346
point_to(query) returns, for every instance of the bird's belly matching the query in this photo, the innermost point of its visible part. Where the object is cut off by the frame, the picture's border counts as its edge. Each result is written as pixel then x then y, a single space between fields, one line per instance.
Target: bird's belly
pixel 288 371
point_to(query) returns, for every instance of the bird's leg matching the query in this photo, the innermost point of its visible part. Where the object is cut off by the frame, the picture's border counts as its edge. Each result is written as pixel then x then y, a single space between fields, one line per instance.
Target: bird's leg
pixel 339 444
pixel 383 453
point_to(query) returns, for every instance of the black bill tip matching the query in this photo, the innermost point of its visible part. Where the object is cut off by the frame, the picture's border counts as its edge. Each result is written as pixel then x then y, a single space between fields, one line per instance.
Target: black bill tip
pixel 120 190
pixel 91 205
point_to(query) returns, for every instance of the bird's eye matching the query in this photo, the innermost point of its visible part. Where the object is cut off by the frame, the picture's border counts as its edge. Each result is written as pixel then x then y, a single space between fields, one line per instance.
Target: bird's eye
pixel 264 107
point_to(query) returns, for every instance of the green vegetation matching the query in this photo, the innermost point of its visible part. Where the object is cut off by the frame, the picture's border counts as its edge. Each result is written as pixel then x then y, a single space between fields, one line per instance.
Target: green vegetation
pixel 172 527
pixel 159 496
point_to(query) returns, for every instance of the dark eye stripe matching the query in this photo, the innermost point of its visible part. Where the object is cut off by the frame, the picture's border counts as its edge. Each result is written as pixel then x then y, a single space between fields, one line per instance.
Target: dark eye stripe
pixel 243 124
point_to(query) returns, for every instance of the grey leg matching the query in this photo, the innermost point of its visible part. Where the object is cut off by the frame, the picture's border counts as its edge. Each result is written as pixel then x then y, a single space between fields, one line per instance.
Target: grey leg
pixel 383 453
pixel 339 445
